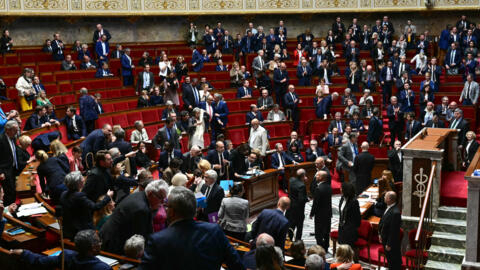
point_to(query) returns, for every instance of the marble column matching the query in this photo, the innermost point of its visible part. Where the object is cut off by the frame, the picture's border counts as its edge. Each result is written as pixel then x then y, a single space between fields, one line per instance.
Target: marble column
pixel 472 257
pixel 437 181
pixel 453 152
pixel 407 186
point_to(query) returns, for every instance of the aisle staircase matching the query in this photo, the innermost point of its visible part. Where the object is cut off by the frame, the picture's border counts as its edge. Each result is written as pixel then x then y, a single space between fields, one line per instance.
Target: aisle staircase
pixel 448 239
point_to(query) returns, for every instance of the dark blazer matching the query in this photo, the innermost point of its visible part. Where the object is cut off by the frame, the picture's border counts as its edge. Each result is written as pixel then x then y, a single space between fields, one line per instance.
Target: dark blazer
pixel 96 35
pixel 94 142
pixel 214 200
pixel 273 222
pixel 389 228
pixel 363 166
pixel 391 117
pixel 298 198
pixel 140 81
pixel 122 145
pixel 87 108
pixel 440 124
pixel 395 165
pixel 222 109
pixel 279 75
pixel 100 74
pixel 51 173
pixel 241 91
pixel 333 124
pixel 57 51
pixel 72 261
pixel 98 182
pixel 77 212
pixel 34 121
pixel 411 131
pixel 126 65
pixel 161 137
pixel 456 58
pixel 375 129
pixel 83 65
pixel 190 163
pixel 311 156
pixel 472 150
pixel 289 103
pixel 464 126
pixel 268 102
pixel 198 60
pixel 163 159
pixel 212 157
pixel 188 96
pixel 99 50
pixel 6 162
pixel 350 220
pixel 322 201
pixel 204 246
pixel 132 216
pixel 250 116
pixel 276 161
pixel 71 134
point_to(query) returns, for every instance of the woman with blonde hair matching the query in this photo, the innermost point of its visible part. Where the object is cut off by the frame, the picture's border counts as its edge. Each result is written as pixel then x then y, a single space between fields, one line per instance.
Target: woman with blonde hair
pixel 42 99
pixel 236 75
pixel 470 147
pixel 199 175
pixel 344 259
pixel 24 86
pixel 50 175
pixel 23 156
pixel 59 151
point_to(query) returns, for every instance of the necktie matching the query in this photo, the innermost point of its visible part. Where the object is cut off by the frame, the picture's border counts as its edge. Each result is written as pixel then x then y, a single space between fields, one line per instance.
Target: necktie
pixel 210 111
pixel 454 124
pixel 411 128
pixel 226 42
pixel 468 91
pixel 146 80
pixel 355 149
pixel 74 124
pixel 452 58
pixel 169 135
pixel 400 70
pixel 220 158
pixel 207 192
pixel 339 126
pixel 195 93
pixel 14 152
pixel 280 159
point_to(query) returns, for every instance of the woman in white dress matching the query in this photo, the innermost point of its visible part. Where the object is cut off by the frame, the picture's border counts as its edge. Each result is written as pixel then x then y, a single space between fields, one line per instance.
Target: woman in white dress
pixel 196 128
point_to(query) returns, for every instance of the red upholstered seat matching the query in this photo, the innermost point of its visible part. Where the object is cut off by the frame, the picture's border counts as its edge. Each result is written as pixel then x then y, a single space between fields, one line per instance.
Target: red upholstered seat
pixel 361 242
pixel 149 117
pixel 334 234
pixel 413 253
pixel 120 119
pixel 237 136
pixel 103 120
pixel 133 116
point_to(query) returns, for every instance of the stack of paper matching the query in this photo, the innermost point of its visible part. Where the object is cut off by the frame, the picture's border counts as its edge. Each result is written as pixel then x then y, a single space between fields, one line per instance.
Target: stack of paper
pixel 31 209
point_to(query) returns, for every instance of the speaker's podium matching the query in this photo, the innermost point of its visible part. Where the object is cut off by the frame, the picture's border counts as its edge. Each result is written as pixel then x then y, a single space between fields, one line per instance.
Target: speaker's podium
pixel 428 146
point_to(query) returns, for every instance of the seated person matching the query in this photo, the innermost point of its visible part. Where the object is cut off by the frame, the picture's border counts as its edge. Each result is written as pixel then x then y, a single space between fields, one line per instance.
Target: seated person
pixel 245 91
pixel 36 120
pixel 37 85
pixel 356 123
pixel 297 251
pixel 76 127
pixel 344 258
pixel 294 153
pixel 333 139
pixel 104 71
pixel 87 63
pixel 265 102
pixel 145 60
pixel 141 158
pixel 155 97
pixel 254 113
pixel 143 100
pixel 314 152
pixel 276 115
pixel 220 66
pixel 75 161
pixel 134 247
pixel 139 134
pixel 50 116
pixel 84 52
pixel 68 63
pixel 42 99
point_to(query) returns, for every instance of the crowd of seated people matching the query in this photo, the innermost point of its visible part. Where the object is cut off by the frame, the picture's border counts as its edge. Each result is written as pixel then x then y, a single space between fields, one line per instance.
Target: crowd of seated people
pixel 112 165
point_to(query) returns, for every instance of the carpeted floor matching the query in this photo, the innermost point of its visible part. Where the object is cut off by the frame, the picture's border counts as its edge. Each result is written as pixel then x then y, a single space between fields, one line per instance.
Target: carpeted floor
pixel 454 189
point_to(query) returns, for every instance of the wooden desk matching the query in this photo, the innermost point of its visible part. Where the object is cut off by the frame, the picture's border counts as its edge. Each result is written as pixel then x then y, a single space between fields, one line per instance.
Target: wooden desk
pixel 262 190
pixel 57 249
pixel 25 184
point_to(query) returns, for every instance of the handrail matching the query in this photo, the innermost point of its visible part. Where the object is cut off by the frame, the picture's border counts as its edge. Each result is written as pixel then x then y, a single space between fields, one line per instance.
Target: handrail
pixel 426 201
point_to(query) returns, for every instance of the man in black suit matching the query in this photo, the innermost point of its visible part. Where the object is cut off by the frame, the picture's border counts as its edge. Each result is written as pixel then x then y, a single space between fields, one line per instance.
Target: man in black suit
pixel 413 126
pixel 120 143
pixel 435 122
pixel 346 156
pixel 265 102
pixel 95 141
pixel 167 134
pixel 395 161
pixel 395 119
pixel 320 166
pixel 145 80
pixel 280 83
pixel 389 232
pixel 314 152
pixel 167 155
pixel 37 119
pixel 219 158
pixel 298 197
pixel 191 159
pixel 322 209
pixel 227 43
pixel 99 32
pixel 213 195
pixel 273 222
pixel 190 95
pixel 337 123
pixel 133 216
pixel 458 122
pixel 117 54
pixel 76 128
pixel 99 180
pixel 363 166
pixel 375 128
pixel 8 161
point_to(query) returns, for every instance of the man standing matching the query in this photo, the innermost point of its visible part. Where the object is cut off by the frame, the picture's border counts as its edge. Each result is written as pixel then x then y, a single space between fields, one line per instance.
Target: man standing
pixel 395 161
pixel 219 158
pixel 458 122
pixel 127 67
pixel 298 197
pixel 375 128
pixel 213 195
pixel 258 64
pixel 95 141
pixel 346 156
pixel 395 119
pixel 280 83
pixel 8 161
pixel 322 209
pixel 291 103
pixel 167 134
pixel 389 230
pixel 99 181
pixel 99 32
pixel 470 92
pixel 363 167
pixel 145 80
pixel 273 222
pixel 258 137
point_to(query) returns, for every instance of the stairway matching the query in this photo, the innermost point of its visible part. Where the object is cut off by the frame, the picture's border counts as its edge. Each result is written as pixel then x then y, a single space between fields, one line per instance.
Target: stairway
pixel 448 239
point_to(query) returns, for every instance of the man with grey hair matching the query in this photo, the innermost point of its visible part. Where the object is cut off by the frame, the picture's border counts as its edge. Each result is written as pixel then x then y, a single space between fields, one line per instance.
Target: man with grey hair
pixel 258 137
pixel 363 166
pixel 133 216
pixel 258 64
pixel 8 161
pixel 314 262
pixel 214 194
pixel 314 152
pixel 458 122
pixel 134 246
pixel 185 236
pixel 127 67
pixel 298 198
pixel 346 156
pixel 87 104
pixel 120 142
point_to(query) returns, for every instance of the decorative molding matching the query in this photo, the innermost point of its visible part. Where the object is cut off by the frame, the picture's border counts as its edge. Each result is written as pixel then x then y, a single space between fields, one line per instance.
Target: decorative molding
pixel 220 7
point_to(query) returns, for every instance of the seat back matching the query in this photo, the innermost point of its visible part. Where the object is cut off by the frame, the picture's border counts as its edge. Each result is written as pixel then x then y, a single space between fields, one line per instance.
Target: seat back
pixel 365 229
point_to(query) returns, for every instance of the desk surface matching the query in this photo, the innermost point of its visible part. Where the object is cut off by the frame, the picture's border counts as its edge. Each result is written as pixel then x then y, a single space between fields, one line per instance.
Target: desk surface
pixel 25 181
pixel 54 250
pixel 434 137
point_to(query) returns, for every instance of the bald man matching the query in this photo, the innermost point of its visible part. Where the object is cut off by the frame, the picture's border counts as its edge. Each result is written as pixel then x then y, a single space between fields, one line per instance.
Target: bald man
pixel 389 232
pixel 322 209
pixel 363 166
pixel 219 160
pixel 273 222
pixel 263 239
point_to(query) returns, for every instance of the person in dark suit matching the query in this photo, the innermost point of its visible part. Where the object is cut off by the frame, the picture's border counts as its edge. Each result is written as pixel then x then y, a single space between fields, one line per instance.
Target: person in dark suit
pixel 395 119
pixel 469 149
pixel 99 32
pixel 458 122
pixel 99 181
pixel 127 68
pixel 87 245
pixel 103 71
pixel 211 42
pixel 389 232
pixel 313 152
pixel 57 48
pixel 395 161
pixel 120 143
pixel 36 120
pixel 386 81
pixel 219 159
pixel 88 63
pixel 245 91
pixel 304 74
pixel 8 161
pixel 95 141
pixel 292 101
pixel 273 222
pixel 412 127
pixel 197 60
pixel 87 110
pixel 167 155
pixel 102 49
pixel 298 198
pixel 221 115
pixel 322 209
pixel 214 195
pixel 145 80
pixel 363 166
pixel 375 128
pixel 167 134
pixel 352 53
pixel 117 54
pixel 265 102
pixel 280 83
pixel 337 123
pixel 191 160
pixel 227 43
pixel 76 128
pixel 435 122
pixel 452 59
pixel 254 113
pixel 51 174
pixel 350 217
pixel 77 208
pixel 133 216
pixel 190 95
pixel 278 161
pixel 185 236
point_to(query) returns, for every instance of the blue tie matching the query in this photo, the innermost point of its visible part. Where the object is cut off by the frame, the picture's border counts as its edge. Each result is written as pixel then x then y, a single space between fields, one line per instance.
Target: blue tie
pixel 196 96
pixel 226 43
pixel 355 149
pixel 168 134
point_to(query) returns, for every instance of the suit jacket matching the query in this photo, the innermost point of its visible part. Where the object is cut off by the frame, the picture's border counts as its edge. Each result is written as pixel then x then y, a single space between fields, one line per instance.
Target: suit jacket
pixel 57 51
pixel 375 130
pixel 322 202
pixel 34 121
pixel 456 57
pixel 117 54
pixel 257 67
pixel 363 166
pixel 98 182
pixel 470 152
pixel 349 222
pixel 333 124
pixel 72 261
pixel 6 159
pixel 122 145
pixel 132 216
pixel 222 109
pixel 164 156
pixel 190 163
pixel 241 91
pixel 440 124
pixel 412 130
pixel 198 60
pixel 87 108
pixel 214 199
pixel 94 142
pixel 99 50
pixel 298 198
pixel 81 128
pixel 395 165
pixel 464 127
pixel 250 116
pixel 273 222
pixel 389 228
pixel 140 80
pixel 276 161
pixel 213 158
pixel 126 62
pixel 227 40
pixel 279 75
pixel 473 94
pixel 399 122
pixel 196 241
pixel 188 96
pixel 83 65
pixel 78 210
pixel 304 78
pixel 289 101
pixel 268 102
pixel 96 35
pixel 345 155
pixel 311 156
pixel 161 137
